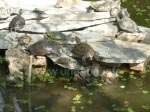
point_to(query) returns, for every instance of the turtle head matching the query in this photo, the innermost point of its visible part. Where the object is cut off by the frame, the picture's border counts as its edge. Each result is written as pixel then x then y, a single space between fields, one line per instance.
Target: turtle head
pixel 20 11
pixel 77 39
pixel 124 13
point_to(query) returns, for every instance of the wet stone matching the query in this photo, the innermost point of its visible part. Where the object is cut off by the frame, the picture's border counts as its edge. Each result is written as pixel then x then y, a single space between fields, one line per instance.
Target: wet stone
pixel 18 60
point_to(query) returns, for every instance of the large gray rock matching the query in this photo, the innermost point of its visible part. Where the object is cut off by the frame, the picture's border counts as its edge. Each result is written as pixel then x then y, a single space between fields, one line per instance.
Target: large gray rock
pixel 27 4
pixel 84 35
pixel 62 25
pixel 121 52
pixel 131 37
pixel 8 39
pixel 108 29
pixel 18 60
pixel 3 43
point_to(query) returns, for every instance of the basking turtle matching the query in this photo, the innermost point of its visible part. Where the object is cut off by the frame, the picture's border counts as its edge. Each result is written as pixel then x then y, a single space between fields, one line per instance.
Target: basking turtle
pixel 104 6
pixel 17 22
pixel 44 47
pixel 125 23
pixel 83 50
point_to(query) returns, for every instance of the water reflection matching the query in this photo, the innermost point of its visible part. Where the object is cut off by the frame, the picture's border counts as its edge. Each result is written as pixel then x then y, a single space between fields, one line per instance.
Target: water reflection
pixel 54 97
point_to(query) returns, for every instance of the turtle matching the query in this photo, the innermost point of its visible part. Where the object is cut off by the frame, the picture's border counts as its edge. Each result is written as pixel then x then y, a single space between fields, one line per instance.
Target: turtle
pixel 17 22
pixel 44 47
pixel 83 50
pixel 125 23
pixel 104 6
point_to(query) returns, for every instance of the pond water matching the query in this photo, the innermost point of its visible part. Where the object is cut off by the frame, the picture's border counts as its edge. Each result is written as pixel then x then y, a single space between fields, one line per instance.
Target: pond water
pixel 131 94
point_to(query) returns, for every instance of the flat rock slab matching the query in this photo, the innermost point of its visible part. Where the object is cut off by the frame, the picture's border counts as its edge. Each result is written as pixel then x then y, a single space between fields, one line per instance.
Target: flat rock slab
pixel 144 29
pixel 110 52
pixel 72 16
pixel 7 37
pixel 61 16
pixel 27 4
pixel 121 52
pixel 108 29
pixel 62 25
pixel 84 35
pixel 27 14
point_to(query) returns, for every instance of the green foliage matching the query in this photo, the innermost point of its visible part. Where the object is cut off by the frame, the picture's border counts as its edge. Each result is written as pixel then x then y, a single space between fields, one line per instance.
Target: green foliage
pixel 77 99
pixel 90 102
pixel 132 76
pixel 121 72
pixel 23 101
pixel 1 59
pixel 73 109
pixel 19 84
pixel 70 88
pixel 44 77
pixel 124 0
pixel 117 108
pixel 51 35
pixel 95 83
pixel 146 107
pixel 82 107
pixel 145 91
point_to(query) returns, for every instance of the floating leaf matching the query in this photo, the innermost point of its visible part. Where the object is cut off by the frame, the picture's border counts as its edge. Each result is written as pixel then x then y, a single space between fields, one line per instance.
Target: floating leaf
pixel 90 102
pixel 146 107
pixel 73 109
pixel 65 86
pixel 121 72
pixel 122 87
pixel 82 107
pixel 132 76
pixel 91 94
pixel 145 92
pixel 77 98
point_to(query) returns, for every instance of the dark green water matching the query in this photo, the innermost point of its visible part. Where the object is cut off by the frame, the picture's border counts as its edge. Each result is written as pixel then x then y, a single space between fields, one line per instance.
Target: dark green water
pixel 132 95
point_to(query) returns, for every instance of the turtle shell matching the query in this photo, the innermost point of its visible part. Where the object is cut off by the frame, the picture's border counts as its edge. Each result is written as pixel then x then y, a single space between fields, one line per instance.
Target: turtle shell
pixel 83 50
pixel 127 24
pixel 17 22
pixel 44 47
